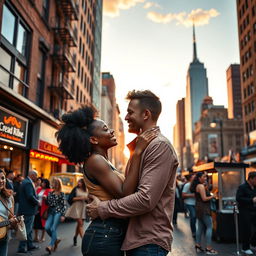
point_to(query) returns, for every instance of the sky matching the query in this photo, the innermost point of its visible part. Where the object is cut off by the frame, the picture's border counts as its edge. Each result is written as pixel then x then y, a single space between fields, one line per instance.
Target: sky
pixel 148 45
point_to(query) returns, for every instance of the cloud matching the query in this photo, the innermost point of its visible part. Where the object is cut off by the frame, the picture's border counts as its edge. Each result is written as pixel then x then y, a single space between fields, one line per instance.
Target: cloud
pixel 199 16
pixel 151 4
pixel 112 8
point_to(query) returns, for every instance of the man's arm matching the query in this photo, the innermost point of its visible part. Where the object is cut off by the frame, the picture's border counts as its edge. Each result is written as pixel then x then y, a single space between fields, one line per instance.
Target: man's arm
pixel 242 198
pixel 29 192
pixel 159 167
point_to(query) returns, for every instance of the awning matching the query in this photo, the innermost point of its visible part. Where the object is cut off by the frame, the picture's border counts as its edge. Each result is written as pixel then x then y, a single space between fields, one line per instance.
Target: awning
pixel 250 160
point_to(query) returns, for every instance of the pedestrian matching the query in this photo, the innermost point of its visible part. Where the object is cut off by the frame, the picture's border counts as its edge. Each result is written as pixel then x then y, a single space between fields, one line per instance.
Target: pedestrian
pixel 9 179
pixel 38 183
pixel 150 208
pixel 84 138
pixel 77 199
pixel 16 184
pixel 190 202
pixel 246 198
pixel 6 202
pixel 203 213
pixel 39 223
pixel 177 203
pixel 28 205
pixel 56 212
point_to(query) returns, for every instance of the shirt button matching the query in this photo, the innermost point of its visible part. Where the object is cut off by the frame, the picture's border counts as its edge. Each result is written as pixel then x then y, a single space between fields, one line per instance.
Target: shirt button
pixel 106 236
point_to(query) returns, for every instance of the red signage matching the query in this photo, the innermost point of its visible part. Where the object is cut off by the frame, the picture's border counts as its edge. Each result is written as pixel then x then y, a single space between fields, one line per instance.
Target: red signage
pixel 43 156
pixel 47 147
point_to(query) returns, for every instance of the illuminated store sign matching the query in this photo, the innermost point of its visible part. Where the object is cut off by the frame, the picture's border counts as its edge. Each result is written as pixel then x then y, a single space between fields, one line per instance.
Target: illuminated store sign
pixel 43 156
pixel 48 147
pixel 13 128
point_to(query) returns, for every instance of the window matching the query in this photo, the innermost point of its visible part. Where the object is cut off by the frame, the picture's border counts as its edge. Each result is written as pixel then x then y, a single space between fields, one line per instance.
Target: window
pixel 40 78
pixel 14 51
pixel 8 24
pixel 45 12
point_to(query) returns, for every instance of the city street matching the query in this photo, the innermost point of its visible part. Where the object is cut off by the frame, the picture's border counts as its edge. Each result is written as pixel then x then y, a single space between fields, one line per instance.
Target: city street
pixel 183 244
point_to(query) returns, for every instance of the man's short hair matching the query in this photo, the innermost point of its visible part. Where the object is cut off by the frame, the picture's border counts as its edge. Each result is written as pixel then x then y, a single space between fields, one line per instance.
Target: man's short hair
pixel 251 175
pixel 147 100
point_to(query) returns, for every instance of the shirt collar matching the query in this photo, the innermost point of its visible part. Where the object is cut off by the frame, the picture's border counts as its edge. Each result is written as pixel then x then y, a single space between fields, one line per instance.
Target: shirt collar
pixel 131 146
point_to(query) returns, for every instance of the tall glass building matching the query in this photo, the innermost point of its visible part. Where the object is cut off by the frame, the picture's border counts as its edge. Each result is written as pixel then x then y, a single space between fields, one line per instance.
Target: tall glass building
pixel 196 90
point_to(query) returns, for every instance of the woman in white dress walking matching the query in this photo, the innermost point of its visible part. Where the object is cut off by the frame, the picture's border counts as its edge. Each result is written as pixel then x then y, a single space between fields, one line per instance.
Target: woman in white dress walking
pixel 77 200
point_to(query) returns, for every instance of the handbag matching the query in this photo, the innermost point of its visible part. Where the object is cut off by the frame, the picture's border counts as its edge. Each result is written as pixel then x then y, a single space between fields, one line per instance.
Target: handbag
pixel 21 232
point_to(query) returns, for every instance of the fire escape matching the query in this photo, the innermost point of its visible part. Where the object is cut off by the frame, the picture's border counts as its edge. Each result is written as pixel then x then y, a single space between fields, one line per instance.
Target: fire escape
pixel 64 62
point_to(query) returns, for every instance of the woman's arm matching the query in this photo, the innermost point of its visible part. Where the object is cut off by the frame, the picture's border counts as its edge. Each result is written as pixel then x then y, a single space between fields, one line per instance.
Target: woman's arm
pixel 100 169
pixel 201 190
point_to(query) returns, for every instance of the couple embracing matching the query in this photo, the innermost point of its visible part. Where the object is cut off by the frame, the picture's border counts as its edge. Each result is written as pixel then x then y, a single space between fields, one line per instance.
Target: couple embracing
pixel 131 214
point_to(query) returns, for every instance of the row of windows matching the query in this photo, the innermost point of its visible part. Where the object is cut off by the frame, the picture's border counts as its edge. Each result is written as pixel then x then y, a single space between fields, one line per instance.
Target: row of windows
pixel 248 73
pixel 243 9
pixel 89 21
pixel 246 39
pixel 249 90
pixel 80 97
pixel 249 108
pixel 246 56
pixel 244 24
pixel 250 125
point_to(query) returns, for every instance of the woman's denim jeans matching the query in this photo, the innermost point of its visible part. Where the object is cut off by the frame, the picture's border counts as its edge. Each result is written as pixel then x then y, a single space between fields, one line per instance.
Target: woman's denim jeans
pixel 104 238
pixel 148 250
pixel 192 216
pixel 205 222
pixel 51 225
pixel 4 246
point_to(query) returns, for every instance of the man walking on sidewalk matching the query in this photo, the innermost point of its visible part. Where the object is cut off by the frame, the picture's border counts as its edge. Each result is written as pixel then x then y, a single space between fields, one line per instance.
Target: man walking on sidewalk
pixel 246 198
pixel 28 205
pixel 150 209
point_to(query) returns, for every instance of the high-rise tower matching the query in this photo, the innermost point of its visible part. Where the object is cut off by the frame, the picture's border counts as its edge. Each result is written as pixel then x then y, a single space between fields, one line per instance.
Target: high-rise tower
pixel 196 90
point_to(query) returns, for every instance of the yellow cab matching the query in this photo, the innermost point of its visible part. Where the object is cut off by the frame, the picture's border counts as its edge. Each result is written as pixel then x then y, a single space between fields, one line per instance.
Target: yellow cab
pixel 69 180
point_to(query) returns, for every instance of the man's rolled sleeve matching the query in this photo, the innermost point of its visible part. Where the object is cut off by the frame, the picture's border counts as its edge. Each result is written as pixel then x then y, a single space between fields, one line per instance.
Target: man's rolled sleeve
pixel 159 161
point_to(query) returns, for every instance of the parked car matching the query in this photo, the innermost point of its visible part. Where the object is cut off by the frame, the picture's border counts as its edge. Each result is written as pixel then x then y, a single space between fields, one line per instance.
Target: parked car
pixel 69 180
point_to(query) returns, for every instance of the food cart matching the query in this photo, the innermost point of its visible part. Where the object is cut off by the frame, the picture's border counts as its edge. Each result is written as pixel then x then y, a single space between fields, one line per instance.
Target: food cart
pixel 224 178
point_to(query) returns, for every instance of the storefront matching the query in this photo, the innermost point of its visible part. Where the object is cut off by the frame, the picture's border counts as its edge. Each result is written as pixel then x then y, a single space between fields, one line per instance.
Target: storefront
pixel 45 156
pixel 13 141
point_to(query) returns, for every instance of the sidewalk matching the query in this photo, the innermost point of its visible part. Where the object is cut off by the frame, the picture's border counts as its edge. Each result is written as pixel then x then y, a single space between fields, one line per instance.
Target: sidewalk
pixel 183 244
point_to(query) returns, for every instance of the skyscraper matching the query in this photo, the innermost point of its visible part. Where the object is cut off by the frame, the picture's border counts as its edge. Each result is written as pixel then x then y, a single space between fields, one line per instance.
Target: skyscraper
pixel 179 130
pixel 196 90
pixel 234 91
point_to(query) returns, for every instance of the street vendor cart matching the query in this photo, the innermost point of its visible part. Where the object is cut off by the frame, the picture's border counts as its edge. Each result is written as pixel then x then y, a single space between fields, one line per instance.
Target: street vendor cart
pixel 224 179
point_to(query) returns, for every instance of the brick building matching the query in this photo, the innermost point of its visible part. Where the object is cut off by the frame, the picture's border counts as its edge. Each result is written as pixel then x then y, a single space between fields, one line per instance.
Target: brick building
pixel 246 14
pixel 46 69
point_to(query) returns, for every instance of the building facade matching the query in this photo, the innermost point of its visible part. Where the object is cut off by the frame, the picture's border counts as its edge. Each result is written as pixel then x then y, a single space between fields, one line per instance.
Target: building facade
pixel 216 135
pixel 110 113
pixel 246 13
pixel 179 130
pixel 234 91
pixel 40 78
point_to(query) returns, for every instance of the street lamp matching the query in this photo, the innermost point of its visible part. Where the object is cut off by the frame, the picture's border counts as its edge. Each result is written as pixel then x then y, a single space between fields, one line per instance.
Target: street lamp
pixel 213 124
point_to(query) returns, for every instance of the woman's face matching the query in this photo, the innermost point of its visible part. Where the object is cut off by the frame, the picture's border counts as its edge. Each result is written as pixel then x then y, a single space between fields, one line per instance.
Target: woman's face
pixel 80 184
pixel 102 135
pixel 43 184
pixel 2 181
pixel 202 179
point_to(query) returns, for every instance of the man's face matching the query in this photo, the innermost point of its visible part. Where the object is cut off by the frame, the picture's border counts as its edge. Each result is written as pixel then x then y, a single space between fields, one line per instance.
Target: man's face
pixel 134 117
pixel 253 182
